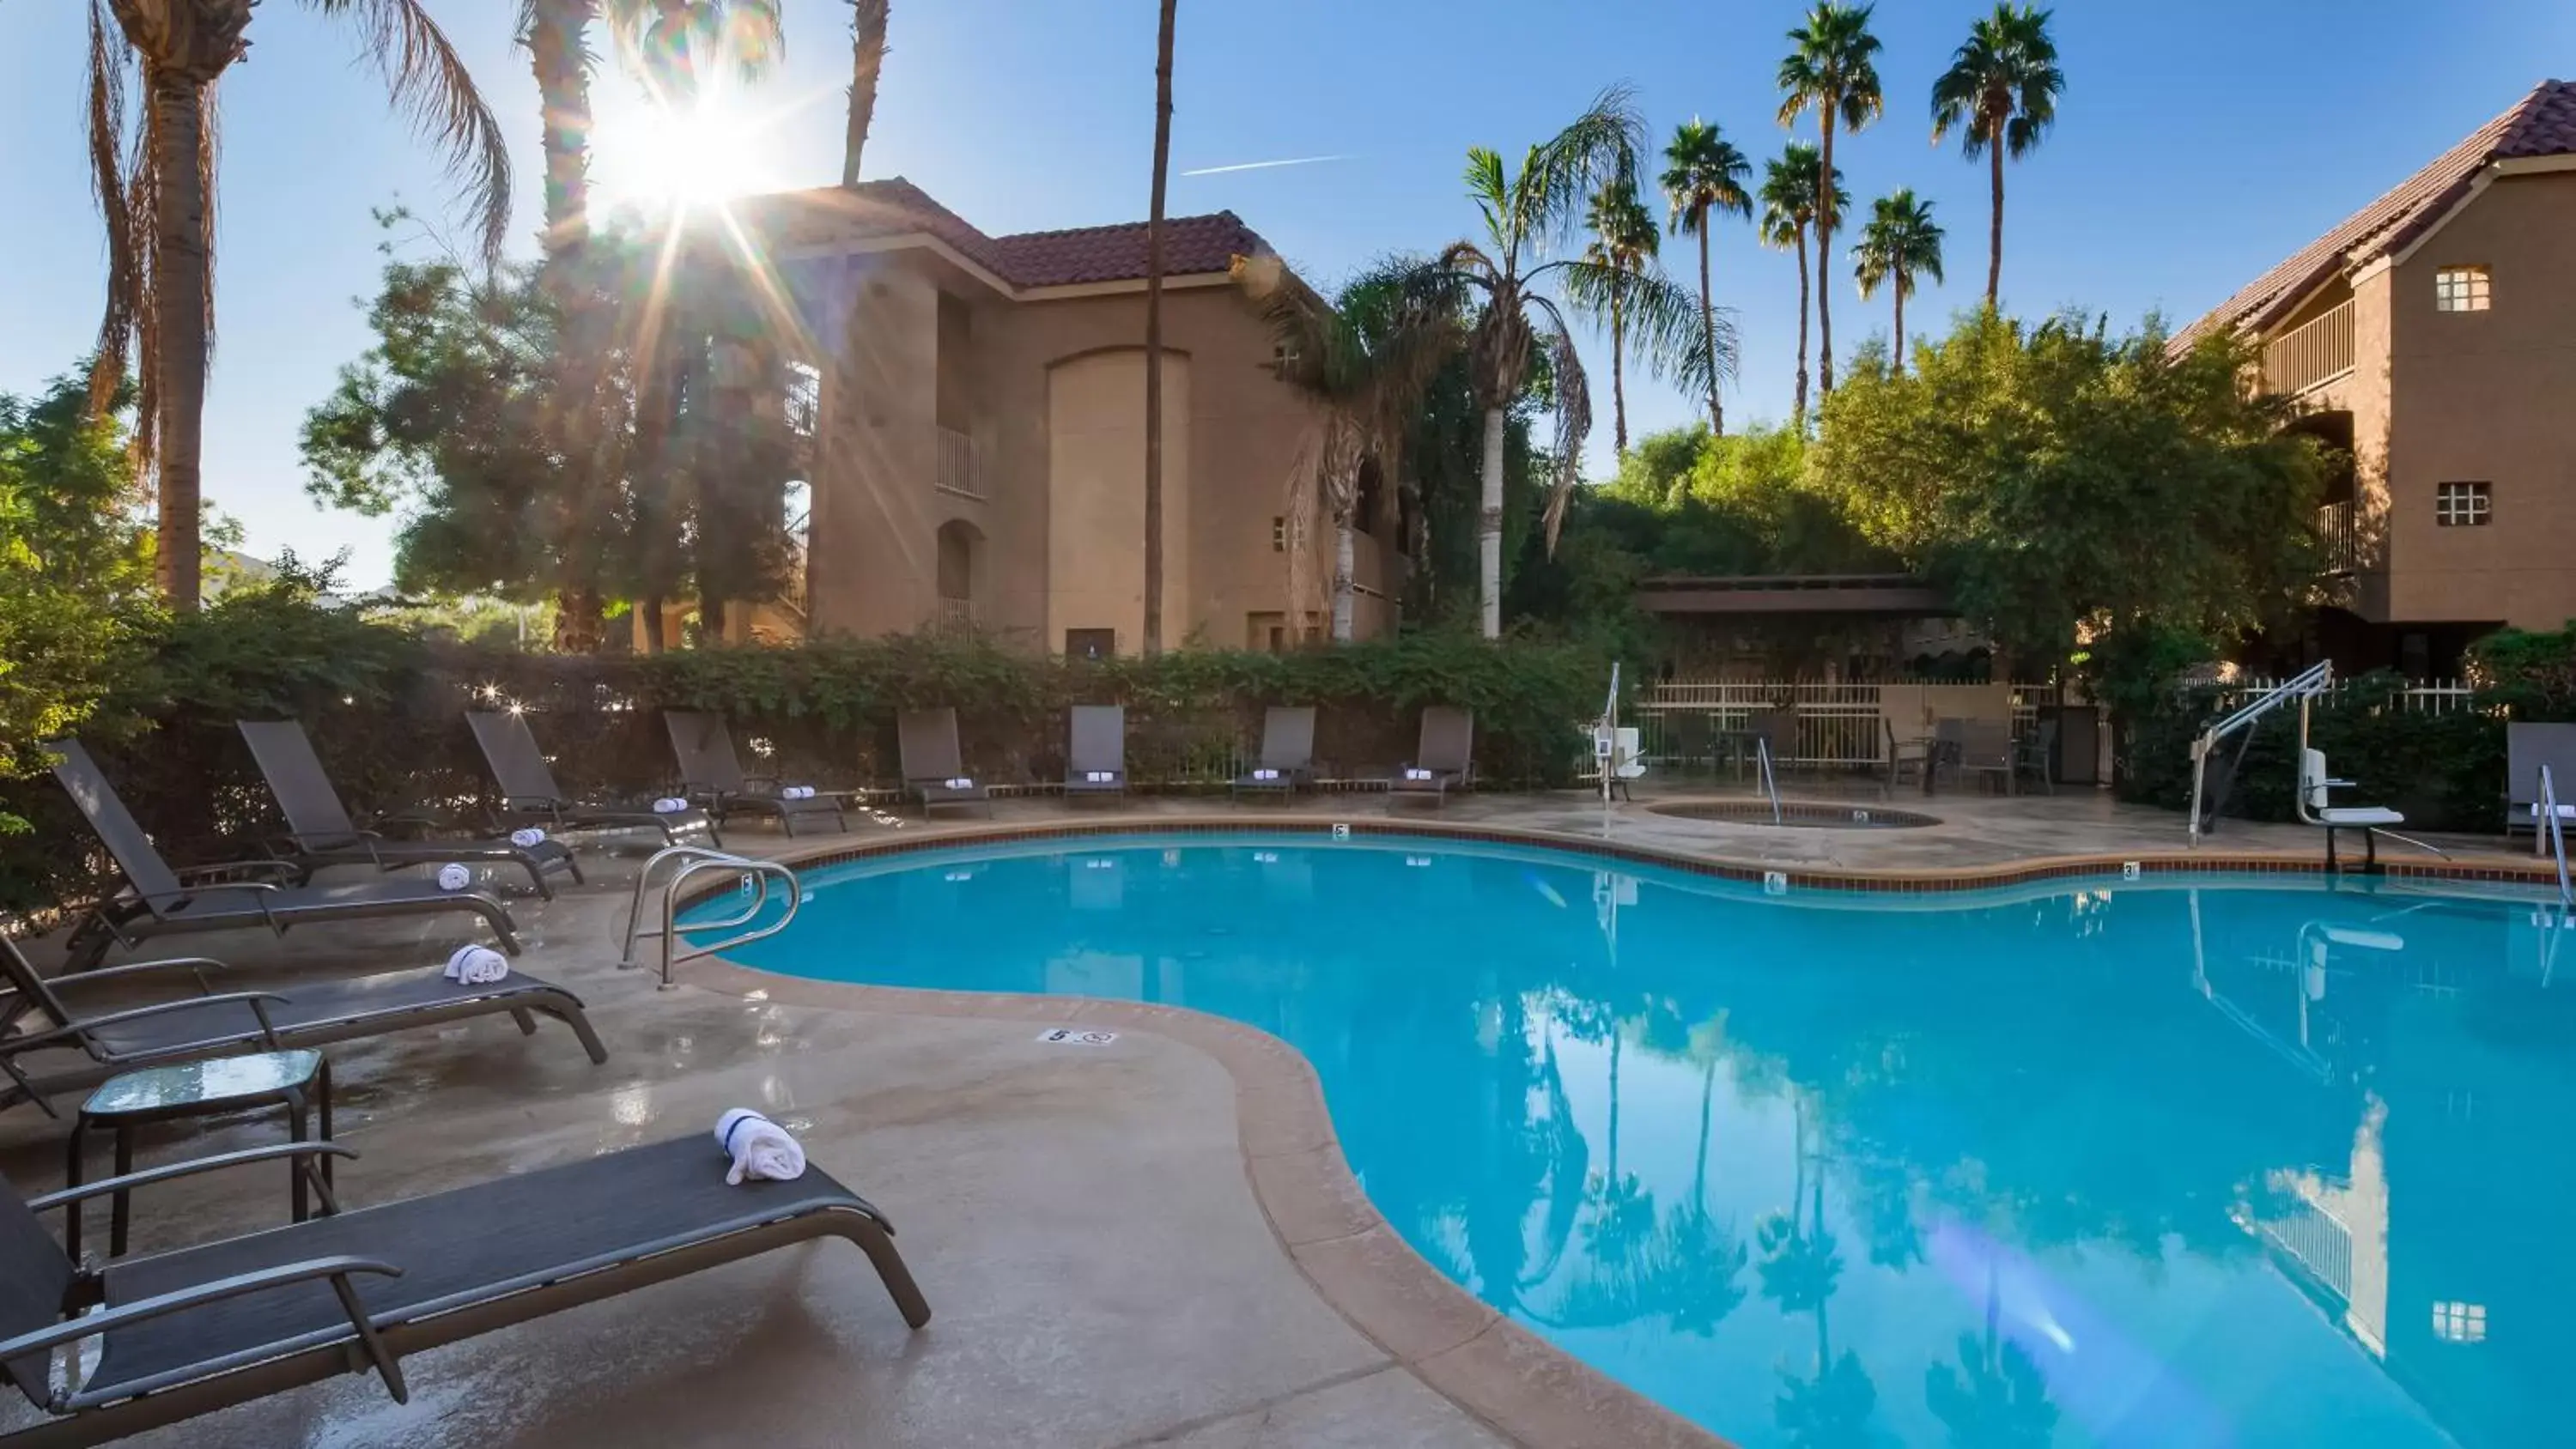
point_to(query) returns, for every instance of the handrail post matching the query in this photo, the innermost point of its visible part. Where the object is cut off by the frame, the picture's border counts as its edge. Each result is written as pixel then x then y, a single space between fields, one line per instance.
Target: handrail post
pixel 692 860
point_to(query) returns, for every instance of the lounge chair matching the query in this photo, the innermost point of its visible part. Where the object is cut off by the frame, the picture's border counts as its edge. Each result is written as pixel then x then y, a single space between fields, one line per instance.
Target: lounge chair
pixel 933 769
pixel 38 1016
pixel 1446 756
pixel 1287 752
pixel 711 775
pixel 320 831
pixel 529 794
pixel 1095 757
pixel 197 1329
pixel 159 901
pixel 2036 756
pixel 2314 788
pixel 2527 747
pixel 1980 747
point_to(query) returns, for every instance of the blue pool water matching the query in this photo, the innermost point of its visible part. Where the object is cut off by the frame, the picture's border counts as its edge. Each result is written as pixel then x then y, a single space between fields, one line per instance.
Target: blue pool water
pixel 2203 1161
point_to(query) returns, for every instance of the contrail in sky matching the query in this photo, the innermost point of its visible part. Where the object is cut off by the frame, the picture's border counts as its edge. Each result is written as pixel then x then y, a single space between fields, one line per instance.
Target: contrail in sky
pixel 1263 165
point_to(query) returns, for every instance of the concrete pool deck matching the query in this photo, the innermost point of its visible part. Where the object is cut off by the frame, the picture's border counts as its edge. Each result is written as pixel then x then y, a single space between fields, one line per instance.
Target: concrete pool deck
pixel 1152 1242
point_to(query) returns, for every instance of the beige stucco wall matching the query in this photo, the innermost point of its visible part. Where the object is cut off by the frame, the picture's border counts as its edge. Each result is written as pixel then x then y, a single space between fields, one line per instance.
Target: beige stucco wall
pixel 2488 396
pixel 1096 493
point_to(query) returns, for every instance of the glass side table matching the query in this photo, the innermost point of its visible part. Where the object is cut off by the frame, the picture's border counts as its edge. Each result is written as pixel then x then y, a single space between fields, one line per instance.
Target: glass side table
pixel 299 1081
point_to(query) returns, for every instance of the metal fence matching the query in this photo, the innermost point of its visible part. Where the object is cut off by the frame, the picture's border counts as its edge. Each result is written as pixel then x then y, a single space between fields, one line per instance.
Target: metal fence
pixel 2431 696
pixel 1839 726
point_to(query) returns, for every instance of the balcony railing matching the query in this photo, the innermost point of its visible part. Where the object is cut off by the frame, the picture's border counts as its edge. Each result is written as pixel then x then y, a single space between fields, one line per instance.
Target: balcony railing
pixel 2339 530
pixel 958 472
pixel 956 616
pixel 2313 352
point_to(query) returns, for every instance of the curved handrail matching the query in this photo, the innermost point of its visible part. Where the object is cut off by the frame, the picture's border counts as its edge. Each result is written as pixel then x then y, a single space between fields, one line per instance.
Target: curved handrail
pixel 693 860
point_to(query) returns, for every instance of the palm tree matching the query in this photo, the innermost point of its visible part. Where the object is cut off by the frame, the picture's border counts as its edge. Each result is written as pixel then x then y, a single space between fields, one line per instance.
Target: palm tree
pixel 155 193
pixel 1996 1398
pixel 1830 72
pixel 1900 243
pixel 1624 243
pixel 2001 89
pixel 1508 274
pixel 1792 190
pixel 1154 335
pixel 1705 173
pixel 867 58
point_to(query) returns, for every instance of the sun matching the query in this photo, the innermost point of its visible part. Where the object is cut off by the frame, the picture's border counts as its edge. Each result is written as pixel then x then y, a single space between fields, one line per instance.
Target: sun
pixel 658 157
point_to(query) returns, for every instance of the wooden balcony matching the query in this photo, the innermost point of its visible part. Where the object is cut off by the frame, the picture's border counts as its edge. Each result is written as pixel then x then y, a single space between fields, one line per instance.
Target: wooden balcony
pixel 2309 355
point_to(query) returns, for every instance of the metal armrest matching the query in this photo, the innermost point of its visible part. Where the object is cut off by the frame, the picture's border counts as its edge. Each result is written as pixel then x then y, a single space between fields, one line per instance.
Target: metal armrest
pixel 193 872
pixel 59 1035
pixel 163 1304
pixel 195 964
pixel 189 1168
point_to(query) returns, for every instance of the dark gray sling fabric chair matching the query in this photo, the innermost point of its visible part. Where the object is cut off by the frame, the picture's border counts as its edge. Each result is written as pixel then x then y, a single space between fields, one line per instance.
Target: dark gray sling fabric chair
pixel 320 830
pixel 1095 757
pixel 1287 752
pixel 529 794
pixel 934 772
pixel 711 775
pixel 40 1017
pixel 197 1329
pixel 158 900
pixel 1446 757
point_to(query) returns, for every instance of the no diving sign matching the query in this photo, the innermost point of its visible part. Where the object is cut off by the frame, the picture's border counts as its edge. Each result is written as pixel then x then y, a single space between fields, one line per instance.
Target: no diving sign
pixel 1075 1036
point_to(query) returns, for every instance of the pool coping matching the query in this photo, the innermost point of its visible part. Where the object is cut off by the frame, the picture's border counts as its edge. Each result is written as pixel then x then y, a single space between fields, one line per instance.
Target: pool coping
pixel 1509 1379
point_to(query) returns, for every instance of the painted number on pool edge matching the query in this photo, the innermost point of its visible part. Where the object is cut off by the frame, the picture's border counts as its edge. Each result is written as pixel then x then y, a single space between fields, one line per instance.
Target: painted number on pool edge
pixel 1341 831
pixel 1775 882
pixel 2128 870
pixel 1067 1036
pixel 745 888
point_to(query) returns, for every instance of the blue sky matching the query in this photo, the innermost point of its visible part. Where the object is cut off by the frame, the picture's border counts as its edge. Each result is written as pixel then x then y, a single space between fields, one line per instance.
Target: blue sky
pixel 2199 142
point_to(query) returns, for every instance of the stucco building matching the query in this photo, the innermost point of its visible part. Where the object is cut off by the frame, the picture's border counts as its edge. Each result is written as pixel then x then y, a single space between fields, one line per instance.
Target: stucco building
pixel 2432 336
pixel 978 429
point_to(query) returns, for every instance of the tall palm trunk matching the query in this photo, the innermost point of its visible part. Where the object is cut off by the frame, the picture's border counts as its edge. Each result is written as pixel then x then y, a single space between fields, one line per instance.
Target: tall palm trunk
pixel 556 55
pixel 1825 263
pixel 1804 308
pixel 1154 338
pixel 184 259
pixel 1699 1159
pixel 1489 528
pixel 1618 377
pixel 1708 331
pixel 1345 559
pixel 1995 227
pixel 867 58
pixel 1899 289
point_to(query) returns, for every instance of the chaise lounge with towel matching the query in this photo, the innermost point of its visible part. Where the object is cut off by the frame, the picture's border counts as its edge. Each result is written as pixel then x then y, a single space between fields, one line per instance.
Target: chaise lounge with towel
pixel 192 1330
pixel 1446 756
pixel 1287 760
pixel 2528 747
pixel 320 830
pixel 529 793
pixel 1095 757
pixel 934 770
pixel 711 777
pixel 159 901
pixel 40 1017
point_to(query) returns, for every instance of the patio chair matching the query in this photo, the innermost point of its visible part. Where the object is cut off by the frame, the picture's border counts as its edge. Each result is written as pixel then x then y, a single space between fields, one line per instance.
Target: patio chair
pixel 1445 757
pixel 1774 730
pixel 2527 747
pixel 320 830
pixel 193 1330
pixel 1095 757
pixel 711 776
pixel 529 794
pixel 40 1016
pixel 2035 757
pixel 934 770
pixel 1694 741
pixel 1982 748
pixel 1902 755
pixel 160 901
pixel 2314 789
pixel 1287 759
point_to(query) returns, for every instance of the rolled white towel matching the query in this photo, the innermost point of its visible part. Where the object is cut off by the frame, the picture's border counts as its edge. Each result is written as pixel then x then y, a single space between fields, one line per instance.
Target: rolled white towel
pixel 1265 774
pixel 669 805
pixel 959 782
pixel 759 1148
pixel 527 837
pixel 797 792
pixel 454 877
pixel 1413 774
pixel 477 966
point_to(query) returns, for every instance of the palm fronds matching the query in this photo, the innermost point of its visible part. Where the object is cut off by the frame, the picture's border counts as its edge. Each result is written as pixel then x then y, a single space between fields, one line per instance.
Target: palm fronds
pixel 426 79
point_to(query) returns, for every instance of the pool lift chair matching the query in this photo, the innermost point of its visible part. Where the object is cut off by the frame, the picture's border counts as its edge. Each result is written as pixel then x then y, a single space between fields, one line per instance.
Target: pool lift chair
pixel 2314 785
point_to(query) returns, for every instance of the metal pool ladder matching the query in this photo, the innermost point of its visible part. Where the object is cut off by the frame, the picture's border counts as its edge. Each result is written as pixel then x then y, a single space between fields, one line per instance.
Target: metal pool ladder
pixel 1770 777
pixel 690 860
pixel 2554 834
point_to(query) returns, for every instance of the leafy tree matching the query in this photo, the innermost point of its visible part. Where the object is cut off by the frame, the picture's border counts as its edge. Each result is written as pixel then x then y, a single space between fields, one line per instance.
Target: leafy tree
pixel 1507 276
pixel 2062 483
pixel 2000 93
pixel 1900 242
pixel 1624 243
pixel 153 174
pixel 1704 174
pixel 1831 69
pixel 1793 195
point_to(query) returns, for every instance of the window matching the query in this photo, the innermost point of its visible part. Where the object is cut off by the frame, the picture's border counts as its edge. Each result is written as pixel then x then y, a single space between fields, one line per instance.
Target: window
pixel 804 398
pixel 2460 1322
pixel 2460 289
pixel 1284 359
pixel 1090 643
pixel 2462 505
pixel 1278 534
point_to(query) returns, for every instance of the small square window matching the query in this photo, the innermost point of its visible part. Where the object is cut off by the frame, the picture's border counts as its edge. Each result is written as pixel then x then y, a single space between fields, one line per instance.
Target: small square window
pixel 1090 643
pixel 2462 505
pixel 2460 289
pixel 2460 1322
pixel 1278 534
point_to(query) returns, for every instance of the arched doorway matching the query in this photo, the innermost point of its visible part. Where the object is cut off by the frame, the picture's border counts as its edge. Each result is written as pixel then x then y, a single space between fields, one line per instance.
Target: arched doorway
pixel 961 558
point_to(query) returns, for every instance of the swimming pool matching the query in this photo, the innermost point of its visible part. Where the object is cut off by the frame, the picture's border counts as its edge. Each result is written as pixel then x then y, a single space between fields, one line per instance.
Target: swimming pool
pixel 2203 1160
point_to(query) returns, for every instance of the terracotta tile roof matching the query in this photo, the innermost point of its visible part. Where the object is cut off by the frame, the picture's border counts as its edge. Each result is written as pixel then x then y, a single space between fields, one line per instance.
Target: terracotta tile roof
pixel 2542 123
pixel 827 214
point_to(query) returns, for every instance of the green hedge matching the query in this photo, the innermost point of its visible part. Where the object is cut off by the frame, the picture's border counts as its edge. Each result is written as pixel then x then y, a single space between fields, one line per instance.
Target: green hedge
pixel 383 707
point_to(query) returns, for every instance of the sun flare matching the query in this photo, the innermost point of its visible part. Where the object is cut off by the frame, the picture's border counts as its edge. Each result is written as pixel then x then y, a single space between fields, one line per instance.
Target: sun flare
pixel 657 157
